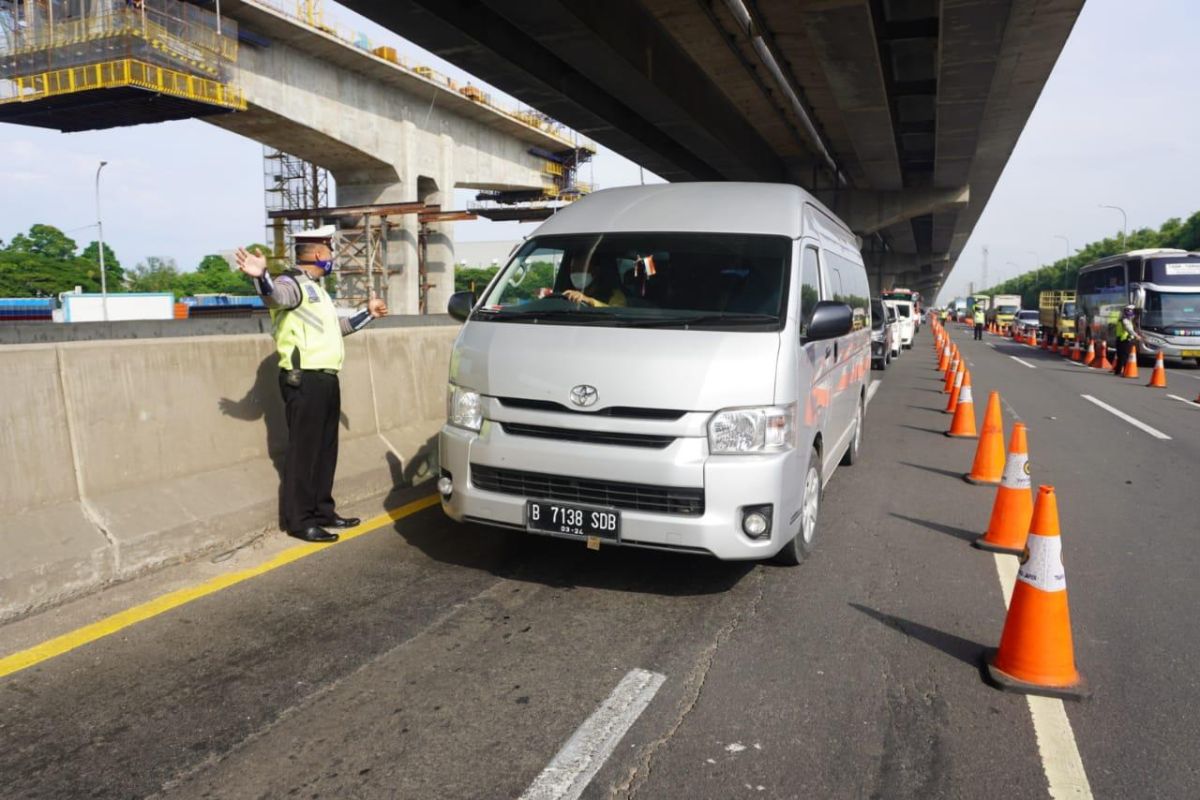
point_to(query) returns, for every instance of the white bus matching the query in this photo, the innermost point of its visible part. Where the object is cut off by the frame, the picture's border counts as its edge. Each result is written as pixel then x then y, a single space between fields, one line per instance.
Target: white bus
pixel 1165 287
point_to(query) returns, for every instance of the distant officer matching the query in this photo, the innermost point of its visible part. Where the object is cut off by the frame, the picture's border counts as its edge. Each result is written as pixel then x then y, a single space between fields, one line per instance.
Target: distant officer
pixel 978 323
pixel 308 338
pixel 1126 336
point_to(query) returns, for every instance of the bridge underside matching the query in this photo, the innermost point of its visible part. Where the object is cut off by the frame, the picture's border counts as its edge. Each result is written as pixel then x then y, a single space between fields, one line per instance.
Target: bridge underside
pixel 899 113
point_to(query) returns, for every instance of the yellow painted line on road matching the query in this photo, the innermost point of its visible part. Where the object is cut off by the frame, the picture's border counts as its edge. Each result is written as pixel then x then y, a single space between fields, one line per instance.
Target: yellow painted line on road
pixel 152 608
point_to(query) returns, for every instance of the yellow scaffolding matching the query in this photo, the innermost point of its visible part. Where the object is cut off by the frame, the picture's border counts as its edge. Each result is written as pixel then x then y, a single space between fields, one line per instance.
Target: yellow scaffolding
pixel 125 72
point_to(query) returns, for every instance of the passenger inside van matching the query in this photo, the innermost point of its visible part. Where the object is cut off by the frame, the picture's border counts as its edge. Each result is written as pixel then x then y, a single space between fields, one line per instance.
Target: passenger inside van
pixel 592 281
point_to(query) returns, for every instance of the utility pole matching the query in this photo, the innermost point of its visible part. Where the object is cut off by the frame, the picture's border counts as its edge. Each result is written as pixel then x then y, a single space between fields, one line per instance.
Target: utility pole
pixel 100 237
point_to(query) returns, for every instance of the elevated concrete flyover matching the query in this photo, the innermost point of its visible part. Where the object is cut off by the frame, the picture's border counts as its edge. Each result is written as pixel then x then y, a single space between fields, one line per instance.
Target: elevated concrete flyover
pixel 901 114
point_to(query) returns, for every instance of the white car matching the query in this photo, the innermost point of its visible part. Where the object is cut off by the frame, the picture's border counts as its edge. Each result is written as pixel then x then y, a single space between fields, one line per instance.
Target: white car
pixel 904 314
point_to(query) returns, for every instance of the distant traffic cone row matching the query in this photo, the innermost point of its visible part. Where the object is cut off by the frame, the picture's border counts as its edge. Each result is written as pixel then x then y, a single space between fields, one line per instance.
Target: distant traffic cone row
pixel 963 424
pixel 1013 506
pixel 950 373
pixel 988 467
pixel 1158 378
pixel 1036 653
pixel 944 361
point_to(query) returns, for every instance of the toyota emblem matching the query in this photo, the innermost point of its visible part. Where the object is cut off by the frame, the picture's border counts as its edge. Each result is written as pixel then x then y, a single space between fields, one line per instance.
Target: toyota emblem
pixel 584 395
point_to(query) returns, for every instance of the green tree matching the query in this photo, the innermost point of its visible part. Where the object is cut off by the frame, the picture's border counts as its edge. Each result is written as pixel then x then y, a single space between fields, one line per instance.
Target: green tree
pixel 157 274
pixel 214 276
pixel 113 272
pixel 45 240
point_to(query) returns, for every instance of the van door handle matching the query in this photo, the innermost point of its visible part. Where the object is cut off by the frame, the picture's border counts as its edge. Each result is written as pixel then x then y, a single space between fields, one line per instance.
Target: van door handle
pixel 827 352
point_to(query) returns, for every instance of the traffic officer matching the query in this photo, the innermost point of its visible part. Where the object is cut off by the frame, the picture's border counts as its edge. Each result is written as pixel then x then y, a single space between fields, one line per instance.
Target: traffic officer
pixel 308 339
pixel 1126 336
pixel 978 323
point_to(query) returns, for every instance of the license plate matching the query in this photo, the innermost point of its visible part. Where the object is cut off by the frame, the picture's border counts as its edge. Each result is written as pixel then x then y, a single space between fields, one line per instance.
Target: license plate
pixel 1189 353
pixel 570 520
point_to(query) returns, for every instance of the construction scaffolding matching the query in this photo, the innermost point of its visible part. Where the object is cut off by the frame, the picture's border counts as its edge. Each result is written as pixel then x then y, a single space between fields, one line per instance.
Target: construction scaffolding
pixel 291 184
pixel 88 64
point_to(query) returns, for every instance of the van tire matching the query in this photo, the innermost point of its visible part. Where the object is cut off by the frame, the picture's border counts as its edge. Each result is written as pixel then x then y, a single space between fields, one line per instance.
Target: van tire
pixel 801 545
pixel 850 457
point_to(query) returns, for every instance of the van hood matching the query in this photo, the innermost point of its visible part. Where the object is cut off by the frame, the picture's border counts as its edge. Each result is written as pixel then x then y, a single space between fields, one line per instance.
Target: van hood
pixel 632 367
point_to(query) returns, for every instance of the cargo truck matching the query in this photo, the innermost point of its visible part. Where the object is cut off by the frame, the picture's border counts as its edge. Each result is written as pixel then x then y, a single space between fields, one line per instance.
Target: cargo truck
pixel 1004 308
pixel 1056 315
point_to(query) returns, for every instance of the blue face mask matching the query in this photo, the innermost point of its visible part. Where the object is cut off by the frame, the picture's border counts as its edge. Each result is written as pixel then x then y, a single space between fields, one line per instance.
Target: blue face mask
pixel 326 264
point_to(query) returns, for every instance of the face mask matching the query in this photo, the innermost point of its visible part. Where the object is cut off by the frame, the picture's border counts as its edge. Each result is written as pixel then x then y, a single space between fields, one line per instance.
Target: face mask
pixel 581 280
pixel 326 264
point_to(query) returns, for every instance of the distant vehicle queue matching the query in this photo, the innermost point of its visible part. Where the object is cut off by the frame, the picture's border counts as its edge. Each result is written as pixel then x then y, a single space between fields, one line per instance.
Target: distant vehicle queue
pixel 1158 290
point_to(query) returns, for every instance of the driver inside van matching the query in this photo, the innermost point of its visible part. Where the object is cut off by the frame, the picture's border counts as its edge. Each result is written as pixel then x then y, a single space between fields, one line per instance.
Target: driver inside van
pixel 595 281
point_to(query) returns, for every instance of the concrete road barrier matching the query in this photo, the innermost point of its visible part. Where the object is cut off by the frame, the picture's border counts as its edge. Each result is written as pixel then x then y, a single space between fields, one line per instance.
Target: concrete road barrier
pixel 124 456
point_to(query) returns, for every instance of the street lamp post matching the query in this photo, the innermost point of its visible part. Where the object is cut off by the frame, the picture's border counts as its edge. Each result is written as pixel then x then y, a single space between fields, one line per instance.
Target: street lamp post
pixel 1124 223
pixel 100 237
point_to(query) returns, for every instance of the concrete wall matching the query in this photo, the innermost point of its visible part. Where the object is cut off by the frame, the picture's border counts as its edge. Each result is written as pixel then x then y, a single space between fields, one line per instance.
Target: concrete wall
pixel 123 456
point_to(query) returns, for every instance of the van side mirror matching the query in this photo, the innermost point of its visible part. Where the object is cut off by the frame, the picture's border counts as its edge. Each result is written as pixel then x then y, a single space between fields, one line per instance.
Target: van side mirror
pixel 1139 298
pixel 460 305
pixel 829 320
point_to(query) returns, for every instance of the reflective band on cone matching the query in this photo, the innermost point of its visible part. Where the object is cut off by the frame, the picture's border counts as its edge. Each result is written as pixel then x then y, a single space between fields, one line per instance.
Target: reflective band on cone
pixel 952 402
pixel 1131 367
pixel 1013 507
pixel 1036 653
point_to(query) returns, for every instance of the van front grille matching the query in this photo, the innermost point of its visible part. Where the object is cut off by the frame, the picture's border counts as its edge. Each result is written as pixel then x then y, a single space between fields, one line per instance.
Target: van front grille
pixel 587 437
pixel 624 412
pixel 588 491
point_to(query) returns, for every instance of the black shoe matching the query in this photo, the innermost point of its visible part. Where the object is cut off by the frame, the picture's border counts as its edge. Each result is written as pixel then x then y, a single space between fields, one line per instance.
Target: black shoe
pixel 343 522
pixel 314 534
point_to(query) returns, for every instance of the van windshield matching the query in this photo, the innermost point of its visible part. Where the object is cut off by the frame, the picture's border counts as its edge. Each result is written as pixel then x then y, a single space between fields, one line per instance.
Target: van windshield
pixel 662 280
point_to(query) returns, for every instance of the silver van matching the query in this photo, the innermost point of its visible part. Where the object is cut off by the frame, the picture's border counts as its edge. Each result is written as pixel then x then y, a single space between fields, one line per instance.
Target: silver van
pixel 678 367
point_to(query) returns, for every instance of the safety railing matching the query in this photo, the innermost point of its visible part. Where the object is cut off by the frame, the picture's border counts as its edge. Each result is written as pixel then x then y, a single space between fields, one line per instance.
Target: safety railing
pixel 123 73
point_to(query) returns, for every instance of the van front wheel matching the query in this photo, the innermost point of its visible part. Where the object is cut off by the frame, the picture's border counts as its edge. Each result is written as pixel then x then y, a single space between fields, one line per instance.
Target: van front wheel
pixel 802 543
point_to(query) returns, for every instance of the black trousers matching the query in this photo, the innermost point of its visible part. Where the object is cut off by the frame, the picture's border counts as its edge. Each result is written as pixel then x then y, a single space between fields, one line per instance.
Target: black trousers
pixel 978 331
pixel 1124 349
pixel 312 409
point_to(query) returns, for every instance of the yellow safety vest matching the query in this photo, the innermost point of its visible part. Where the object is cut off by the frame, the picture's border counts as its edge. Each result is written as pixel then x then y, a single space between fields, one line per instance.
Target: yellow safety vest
pixel 978 316
pixel 311 329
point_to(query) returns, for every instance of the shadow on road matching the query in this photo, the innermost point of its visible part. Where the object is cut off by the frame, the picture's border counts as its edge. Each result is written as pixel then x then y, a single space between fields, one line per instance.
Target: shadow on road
pixel 927 408
pixel 964 650
pixel 949 530
pixel 923 430
pixel 949 473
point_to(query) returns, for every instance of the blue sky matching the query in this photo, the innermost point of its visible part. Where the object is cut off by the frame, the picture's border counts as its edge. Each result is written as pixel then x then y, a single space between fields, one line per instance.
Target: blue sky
pixel 1118 123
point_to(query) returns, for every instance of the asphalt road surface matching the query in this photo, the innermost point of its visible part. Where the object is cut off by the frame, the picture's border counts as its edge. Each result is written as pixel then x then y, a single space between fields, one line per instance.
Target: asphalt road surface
pixel 430 660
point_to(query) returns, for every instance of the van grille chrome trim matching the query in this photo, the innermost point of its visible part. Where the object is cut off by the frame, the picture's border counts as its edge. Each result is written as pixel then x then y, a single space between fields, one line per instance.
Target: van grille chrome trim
pixel 588 437
pixel 589 491
pixel 625 412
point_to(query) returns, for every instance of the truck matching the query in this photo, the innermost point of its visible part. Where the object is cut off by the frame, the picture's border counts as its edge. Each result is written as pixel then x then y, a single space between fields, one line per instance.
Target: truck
pixel 1004 307
pixel 959 308
pixel 1056 315
pixel 975 301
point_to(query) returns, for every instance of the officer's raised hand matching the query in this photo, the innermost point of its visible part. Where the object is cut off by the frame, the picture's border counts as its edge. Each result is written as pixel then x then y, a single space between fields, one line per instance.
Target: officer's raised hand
pixel 253 264
pixel 377 307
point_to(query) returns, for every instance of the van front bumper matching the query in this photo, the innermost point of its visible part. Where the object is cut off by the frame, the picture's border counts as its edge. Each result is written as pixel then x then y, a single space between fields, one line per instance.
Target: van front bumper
pixel 1176 347
pixel 730 483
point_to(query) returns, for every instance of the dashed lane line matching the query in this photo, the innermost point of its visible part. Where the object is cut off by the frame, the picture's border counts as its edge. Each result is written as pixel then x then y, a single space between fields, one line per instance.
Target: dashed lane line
pixel 159 605
pixel 1022 362
pixel 574 766
pixel 1191 403
pixel 1137 423
pixel 871 390
pixel 1056 743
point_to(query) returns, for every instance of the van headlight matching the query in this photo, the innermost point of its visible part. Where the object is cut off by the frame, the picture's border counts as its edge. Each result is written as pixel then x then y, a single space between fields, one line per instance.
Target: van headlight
pixel 763 429
pixel 463 408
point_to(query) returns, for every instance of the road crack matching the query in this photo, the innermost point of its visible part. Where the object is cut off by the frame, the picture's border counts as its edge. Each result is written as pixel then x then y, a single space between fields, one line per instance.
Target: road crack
pixel 693 689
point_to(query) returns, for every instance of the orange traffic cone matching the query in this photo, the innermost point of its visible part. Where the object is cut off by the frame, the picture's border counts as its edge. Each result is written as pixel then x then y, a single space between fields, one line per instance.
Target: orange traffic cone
pixel 1103 362
pixel 1158 378
pixel 1131 370
pixel 944 361
pixel 952 401
pixel 1032 341
pixel 1013 506
pixel 989 455
pixel 963 424
pixel 1048 342
pixel 1091 354
pixel 955 364
pixel 1036 654
pixel 1075 354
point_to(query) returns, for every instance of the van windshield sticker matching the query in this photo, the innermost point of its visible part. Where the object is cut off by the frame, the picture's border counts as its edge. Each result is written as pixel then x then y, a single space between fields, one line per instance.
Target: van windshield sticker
pixel 1183 269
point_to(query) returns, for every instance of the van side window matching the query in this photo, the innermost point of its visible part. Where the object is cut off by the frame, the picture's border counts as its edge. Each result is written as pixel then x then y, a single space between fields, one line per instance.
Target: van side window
pixel 810 291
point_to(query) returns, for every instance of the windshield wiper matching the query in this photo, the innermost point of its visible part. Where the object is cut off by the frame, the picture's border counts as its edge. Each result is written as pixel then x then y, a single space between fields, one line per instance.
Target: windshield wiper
pixel 574 314
pixel 706 319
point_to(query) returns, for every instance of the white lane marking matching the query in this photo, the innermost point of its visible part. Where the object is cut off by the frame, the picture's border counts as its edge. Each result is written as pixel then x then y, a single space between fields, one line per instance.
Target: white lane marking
pixel 574 766
pixel 871 390
pixel 1055 739
pixel 1137 423
pixel 1022 363
pixel 1185 400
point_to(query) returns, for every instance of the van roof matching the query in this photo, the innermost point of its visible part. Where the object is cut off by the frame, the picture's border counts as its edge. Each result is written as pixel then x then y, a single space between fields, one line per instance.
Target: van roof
pixel 702 207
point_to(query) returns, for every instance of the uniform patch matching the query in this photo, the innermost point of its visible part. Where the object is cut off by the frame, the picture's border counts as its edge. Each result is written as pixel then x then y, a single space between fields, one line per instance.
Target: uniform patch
pixel 313 296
